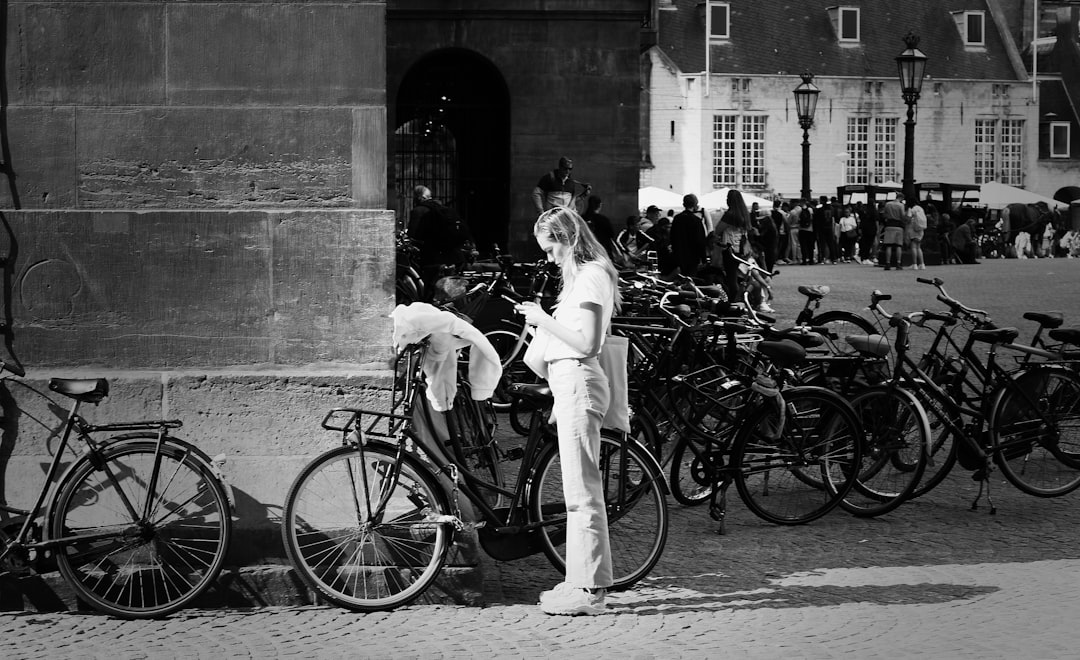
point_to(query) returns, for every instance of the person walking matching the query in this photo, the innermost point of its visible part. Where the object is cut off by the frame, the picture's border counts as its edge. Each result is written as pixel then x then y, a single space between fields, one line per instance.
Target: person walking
pixel 849 233
pixel 731 231
pixel 892 236
pixel 868 232
pixel 823 231
pixel 806 233
pixel 689 248
pixel 916 229
pixel 779 219
pixel 793 220
pixel 588 297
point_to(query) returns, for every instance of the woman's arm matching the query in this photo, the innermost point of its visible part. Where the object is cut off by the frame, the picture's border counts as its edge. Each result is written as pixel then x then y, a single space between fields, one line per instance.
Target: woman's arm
pixel 587 340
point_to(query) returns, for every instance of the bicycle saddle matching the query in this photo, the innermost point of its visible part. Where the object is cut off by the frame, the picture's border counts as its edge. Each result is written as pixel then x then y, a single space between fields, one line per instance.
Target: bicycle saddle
pixel 995 335
pixel 1066 336
pixel 875 345
pixel 532 391
pixel 1046 319
pixel 815 292
pixel 783 353
pixel 87 390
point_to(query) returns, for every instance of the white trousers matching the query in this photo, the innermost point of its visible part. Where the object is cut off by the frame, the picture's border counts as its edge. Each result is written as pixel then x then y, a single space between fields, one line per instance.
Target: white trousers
pixel 582 396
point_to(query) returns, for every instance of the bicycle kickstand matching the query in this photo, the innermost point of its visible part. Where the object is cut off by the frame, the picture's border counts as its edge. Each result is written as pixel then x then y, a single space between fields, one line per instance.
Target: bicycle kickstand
pixel 718 509
pixel 984 484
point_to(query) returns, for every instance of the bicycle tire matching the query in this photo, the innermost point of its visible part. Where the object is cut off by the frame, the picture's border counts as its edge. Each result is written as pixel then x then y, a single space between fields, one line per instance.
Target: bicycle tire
pixel 504 341
pixel 151 567
pixel 942 452
pixel 843 324
pixel 820 435
pixel 895 436
pixel 1037 458
pixel 636 507
pixel 689 477
pixel 346 556
pixel 470 427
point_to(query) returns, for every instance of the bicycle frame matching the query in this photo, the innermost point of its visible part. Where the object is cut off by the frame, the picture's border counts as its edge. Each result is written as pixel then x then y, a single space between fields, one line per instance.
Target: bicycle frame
pixel 75 423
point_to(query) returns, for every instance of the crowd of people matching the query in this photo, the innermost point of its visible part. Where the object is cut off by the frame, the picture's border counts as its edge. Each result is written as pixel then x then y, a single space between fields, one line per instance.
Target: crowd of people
pixel 889 234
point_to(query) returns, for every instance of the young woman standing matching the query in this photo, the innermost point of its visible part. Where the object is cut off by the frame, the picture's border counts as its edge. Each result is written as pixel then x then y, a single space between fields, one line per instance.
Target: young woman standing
pixel 575 335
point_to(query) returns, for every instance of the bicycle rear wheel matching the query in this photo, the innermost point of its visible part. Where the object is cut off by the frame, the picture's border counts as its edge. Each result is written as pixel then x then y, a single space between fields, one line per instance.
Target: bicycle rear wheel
pixel 1035 436
pixel 156 559
pixel 894 443
pixel 809 468
pixel 637 514
pixel 365 531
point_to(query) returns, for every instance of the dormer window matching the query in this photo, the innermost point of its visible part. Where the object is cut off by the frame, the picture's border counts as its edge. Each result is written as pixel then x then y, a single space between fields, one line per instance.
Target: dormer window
pixel 717 17
pixel 972 27
pixel 845 22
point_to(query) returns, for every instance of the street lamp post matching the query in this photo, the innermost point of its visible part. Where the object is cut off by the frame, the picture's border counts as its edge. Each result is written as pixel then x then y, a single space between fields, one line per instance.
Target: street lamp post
pixel 806 97
pixel 911 65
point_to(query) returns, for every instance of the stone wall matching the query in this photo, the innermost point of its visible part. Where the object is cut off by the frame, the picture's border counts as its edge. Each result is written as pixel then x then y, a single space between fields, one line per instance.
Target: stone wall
pixel 195 208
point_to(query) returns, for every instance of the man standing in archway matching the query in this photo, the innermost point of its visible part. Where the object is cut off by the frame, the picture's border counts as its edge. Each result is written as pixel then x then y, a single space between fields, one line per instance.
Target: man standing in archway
pixel 556 188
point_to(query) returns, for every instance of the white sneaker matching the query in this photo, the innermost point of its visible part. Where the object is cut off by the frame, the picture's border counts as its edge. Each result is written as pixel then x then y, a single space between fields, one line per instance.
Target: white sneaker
pixel 555 591
pixel 764 307
pixel 571 601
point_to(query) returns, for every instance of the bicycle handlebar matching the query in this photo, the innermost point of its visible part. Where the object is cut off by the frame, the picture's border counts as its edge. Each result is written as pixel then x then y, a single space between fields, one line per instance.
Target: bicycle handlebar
pixel 955 305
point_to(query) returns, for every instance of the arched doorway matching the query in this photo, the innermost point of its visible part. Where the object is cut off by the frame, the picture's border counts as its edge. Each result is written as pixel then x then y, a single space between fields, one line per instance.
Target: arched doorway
pixel 452 134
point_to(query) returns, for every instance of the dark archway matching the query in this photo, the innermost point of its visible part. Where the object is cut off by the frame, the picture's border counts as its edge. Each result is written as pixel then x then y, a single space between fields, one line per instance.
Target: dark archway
pixel 452 134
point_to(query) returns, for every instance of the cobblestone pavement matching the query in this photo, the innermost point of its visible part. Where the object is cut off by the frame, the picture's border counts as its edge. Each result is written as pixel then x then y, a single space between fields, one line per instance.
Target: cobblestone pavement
pixel 932 578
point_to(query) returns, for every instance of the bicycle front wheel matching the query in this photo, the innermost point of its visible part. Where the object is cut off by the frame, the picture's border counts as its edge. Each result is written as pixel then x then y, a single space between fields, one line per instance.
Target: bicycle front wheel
pixel 136 553
pixel 843 324
pixel 1035 432
pixel 637 515
pixel 365 528
pixel 797 471
pixel 895 438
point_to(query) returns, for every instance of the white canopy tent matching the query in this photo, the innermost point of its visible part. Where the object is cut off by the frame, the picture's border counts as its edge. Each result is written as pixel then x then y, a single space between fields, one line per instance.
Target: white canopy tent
pixel 998 195
pixel 664 199
pixel 717 199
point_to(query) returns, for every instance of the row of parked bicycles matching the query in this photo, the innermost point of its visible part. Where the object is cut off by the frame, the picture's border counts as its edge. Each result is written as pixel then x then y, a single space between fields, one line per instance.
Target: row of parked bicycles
pixel 839 410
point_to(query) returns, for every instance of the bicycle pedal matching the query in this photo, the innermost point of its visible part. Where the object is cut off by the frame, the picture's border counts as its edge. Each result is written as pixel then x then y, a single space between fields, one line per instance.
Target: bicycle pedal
pixel 515 454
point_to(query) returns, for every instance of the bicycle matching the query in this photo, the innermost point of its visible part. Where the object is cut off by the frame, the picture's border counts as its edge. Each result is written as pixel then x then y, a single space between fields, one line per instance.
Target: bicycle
pixel 1025 422
pixel 138 525
pixel 791 451
pixel 368 524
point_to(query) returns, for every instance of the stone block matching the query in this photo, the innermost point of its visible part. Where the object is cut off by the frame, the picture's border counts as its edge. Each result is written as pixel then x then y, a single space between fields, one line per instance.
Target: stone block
pixel 202 289
pixel 73 53
pixel 277 54
pixel 42 144
pixel 230 158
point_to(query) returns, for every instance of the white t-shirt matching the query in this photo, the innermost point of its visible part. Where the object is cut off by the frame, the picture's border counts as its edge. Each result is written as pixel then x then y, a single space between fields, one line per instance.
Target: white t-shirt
pixel 592 285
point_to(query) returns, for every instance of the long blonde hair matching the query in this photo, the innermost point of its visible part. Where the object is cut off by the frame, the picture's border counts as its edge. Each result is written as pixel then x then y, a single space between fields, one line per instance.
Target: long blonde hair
pixel 563 225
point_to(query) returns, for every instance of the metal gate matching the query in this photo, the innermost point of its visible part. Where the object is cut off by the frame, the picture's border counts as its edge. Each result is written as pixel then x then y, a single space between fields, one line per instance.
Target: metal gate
pixel 425 154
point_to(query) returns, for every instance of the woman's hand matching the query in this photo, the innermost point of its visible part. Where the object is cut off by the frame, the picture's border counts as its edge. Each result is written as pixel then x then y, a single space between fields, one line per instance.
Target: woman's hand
pixel 533 313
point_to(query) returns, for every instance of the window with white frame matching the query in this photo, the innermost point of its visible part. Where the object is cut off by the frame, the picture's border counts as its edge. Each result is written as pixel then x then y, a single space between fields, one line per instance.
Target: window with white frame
pixel 972 27
pixel 719 18
pixel 871 148
pixel 738 153
pixel 845 22
pixel 1060 136
pixel 999 151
